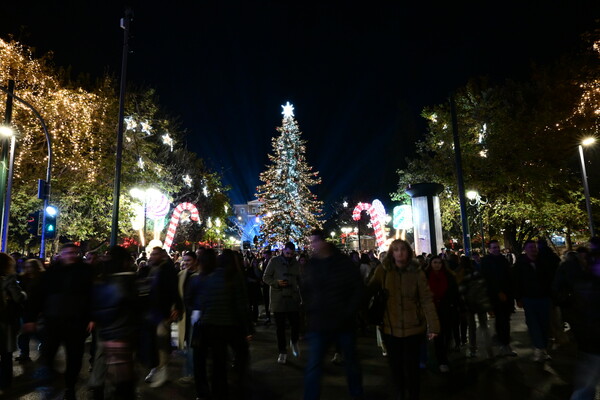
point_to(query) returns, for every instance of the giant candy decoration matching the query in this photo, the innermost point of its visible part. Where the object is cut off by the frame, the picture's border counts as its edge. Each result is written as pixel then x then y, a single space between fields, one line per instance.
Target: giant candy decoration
pixel 377 213
pixel 194 216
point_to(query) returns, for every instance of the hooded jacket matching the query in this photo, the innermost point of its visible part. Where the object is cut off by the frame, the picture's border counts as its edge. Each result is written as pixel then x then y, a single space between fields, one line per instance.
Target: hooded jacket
pixel 409 309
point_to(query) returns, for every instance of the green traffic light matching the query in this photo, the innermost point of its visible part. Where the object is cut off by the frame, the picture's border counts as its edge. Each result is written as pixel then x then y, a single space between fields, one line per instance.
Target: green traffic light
pixel 50 228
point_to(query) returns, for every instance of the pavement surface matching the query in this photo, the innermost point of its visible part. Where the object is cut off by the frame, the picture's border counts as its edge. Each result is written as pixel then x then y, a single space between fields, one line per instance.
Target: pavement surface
pixel 469 378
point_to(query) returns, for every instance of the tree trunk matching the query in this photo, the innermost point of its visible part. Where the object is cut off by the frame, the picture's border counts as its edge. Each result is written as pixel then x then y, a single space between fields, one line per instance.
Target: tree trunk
pixel 510 238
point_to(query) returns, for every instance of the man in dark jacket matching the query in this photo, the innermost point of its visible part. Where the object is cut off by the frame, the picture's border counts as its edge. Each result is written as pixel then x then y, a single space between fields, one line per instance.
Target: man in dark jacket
pixel 332 289
pixel 495 268
pixel 164 305
pixel 533 291
pixel 63 300
pixel 586 328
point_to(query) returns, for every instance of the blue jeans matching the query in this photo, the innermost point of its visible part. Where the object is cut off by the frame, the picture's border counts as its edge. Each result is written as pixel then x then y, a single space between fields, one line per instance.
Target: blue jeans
pixel 587 376
pixel 537 317
pixel 319 343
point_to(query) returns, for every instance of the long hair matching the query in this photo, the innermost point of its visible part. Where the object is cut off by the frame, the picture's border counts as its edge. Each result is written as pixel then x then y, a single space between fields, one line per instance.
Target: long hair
pixel 388 261
pixel 208 261
pixel 7 264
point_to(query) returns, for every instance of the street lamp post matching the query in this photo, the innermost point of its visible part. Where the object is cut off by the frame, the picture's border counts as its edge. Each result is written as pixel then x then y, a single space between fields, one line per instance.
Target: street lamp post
pixel 476 200
pixel 586 189
pixel 45 185
pixel 7 199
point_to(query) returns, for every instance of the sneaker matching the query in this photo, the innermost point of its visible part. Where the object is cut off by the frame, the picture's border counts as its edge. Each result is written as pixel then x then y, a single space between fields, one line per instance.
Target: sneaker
pixel 507 351
pixel 159 378
pixel 295 349
pixel 337 358
pixel 150 375
pixel 444 368
pixel 472 353
pixel 282 359
pixel 185 380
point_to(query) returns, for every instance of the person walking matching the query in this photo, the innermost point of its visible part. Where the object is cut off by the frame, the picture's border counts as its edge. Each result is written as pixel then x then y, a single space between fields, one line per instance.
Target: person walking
pixel 221 316
pixel 12 297
pixel 332 290
pixel 190 270
pixel 29 279
pixel 445 297
pixel 115 311
pixel 410 315
pixel 496 271
pixel 533 291
pixel 282 275
pixel 63 300
pixel 164 306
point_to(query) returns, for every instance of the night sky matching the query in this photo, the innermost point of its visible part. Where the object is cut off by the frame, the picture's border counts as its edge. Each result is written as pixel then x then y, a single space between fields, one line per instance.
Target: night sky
pixel 357 76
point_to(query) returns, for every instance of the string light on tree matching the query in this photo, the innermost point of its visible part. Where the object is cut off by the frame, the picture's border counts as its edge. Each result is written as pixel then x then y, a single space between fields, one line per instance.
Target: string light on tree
pixel 141 163
pixel 168 140
pixel 146 128
pixel 130 123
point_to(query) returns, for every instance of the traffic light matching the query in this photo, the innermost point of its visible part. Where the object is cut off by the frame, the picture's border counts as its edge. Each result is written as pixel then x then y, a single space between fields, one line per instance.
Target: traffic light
pixel 33 223
pixel 50 222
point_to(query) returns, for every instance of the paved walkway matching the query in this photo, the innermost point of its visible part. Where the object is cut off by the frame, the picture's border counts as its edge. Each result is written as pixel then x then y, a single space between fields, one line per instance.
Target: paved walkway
pixel 489 379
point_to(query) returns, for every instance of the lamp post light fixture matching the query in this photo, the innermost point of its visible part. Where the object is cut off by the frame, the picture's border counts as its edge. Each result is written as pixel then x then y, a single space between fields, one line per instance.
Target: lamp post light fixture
pixel 476 200
pixel 586 190
pixel 332 234
pixel 7 132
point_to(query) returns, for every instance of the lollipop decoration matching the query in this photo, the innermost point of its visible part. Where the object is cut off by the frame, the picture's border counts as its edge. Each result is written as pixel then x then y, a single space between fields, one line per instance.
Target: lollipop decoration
pixel 175 217
pixel 156 206
pixel 377 213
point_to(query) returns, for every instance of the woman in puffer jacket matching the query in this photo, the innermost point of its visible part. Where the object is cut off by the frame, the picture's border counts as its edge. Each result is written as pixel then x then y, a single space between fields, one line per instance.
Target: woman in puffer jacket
pixel 410 314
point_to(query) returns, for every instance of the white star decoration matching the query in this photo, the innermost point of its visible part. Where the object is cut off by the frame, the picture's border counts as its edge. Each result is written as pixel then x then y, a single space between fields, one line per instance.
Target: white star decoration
pixel 187 180
pixel 130 123
pixel 168 140
pixel 146 128
pixel 288 110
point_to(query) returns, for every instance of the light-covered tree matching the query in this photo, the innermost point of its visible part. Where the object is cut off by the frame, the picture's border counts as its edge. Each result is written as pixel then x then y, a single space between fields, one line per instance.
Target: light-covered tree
pixel 290 210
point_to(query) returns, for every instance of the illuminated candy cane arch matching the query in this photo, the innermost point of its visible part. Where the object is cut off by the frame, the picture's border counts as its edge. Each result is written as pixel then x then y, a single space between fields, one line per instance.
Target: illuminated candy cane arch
pixel 194 216
pixel 377 213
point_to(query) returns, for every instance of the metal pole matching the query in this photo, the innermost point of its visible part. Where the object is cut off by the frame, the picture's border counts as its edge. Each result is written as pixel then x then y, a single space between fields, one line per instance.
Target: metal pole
pixel 459 179
pixel 117 185
pixel 586 191
pixel 482 237
pixel 6 214
pixel 4 155
pixel 48 168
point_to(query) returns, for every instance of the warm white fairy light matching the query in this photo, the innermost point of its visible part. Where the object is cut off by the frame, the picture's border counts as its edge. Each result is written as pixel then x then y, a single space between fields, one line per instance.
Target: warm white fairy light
pixel 168 140
pixel 146 128
pixel 130 123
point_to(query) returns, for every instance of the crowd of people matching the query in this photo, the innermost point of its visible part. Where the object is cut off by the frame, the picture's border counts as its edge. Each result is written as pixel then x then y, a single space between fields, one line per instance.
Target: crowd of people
pixel 128 305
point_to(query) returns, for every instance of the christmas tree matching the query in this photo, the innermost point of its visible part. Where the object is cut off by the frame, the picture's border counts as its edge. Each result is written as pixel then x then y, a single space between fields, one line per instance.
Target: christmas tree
pixel 290 210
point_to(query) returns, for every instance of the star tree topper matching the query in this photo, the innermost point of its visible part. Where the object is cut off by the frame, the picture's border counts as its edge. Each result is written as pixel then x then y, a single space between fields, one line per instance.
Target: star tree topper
pixel 288 110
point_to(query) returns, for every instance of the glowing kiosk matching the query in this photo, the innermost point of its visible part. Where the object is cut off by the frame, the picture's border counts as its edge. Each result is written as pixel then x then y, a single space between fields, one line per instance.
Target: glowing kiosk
pixel 426 217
